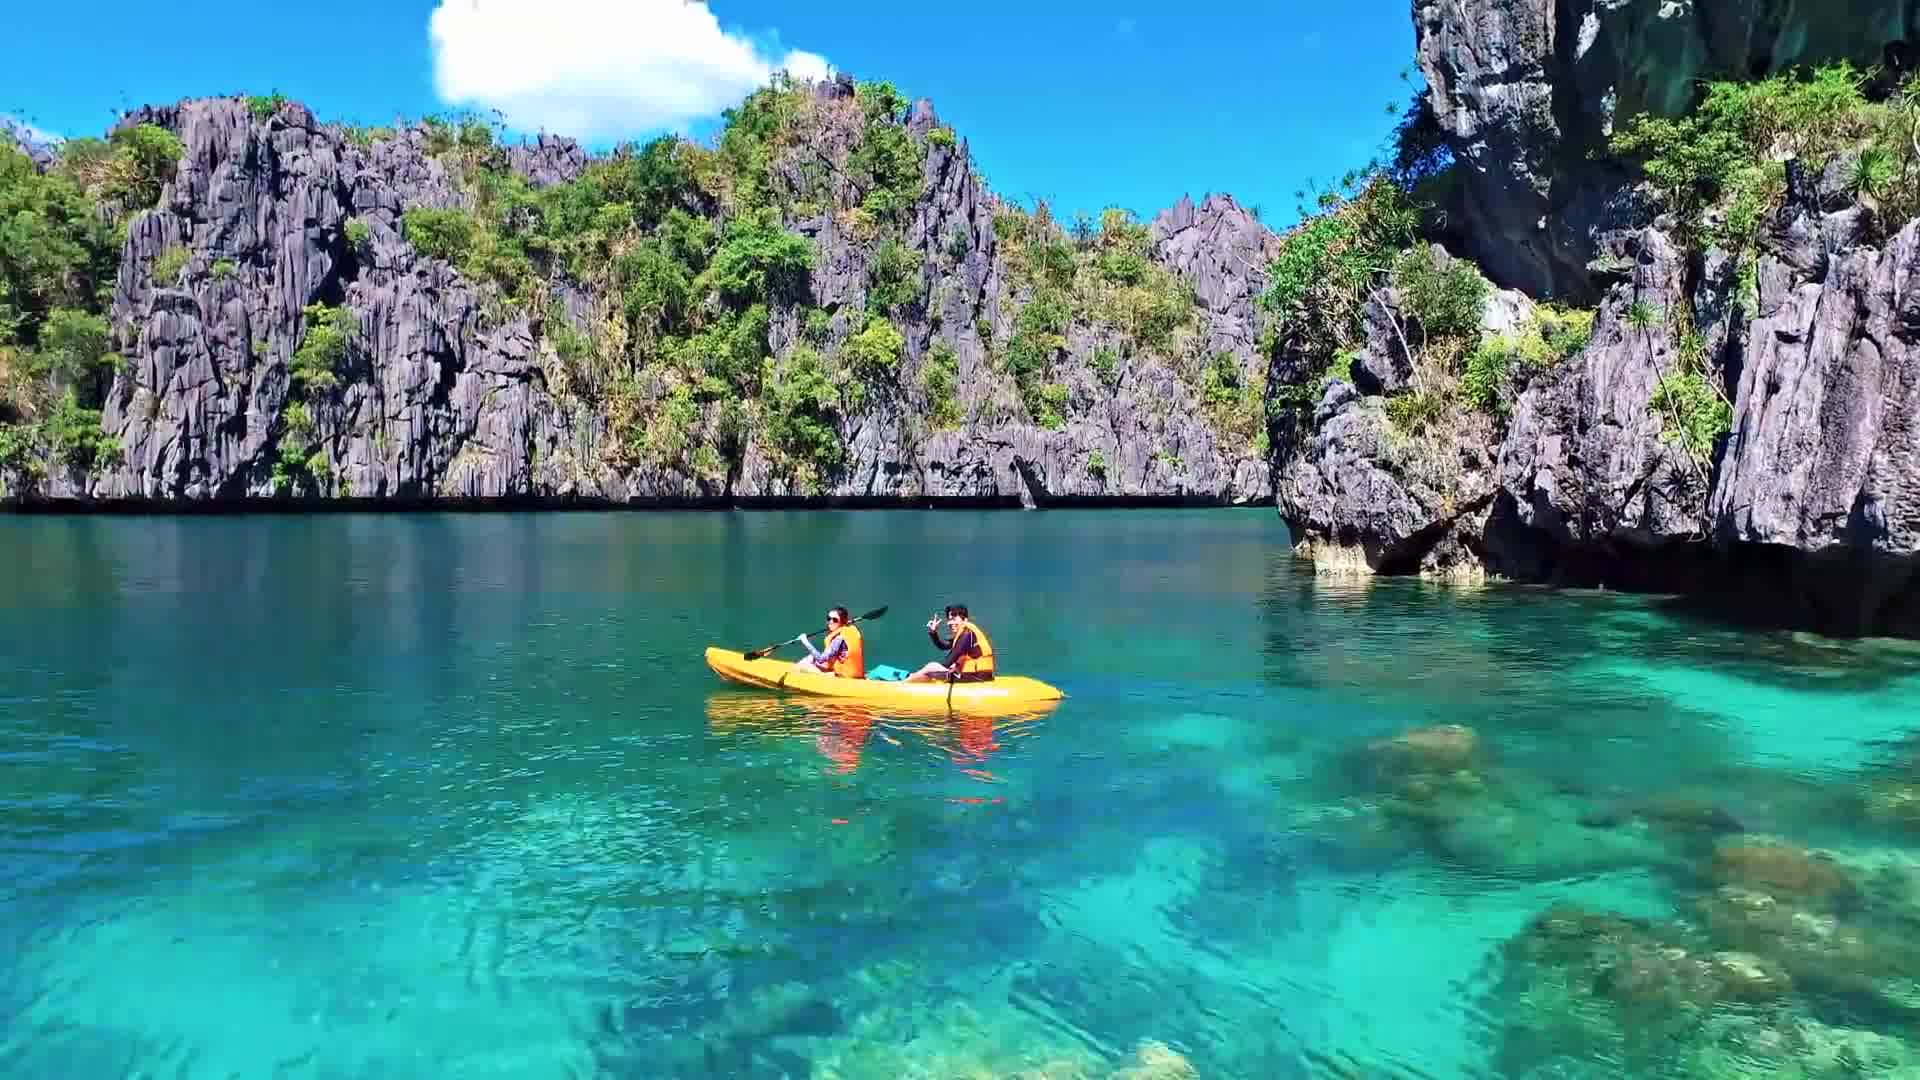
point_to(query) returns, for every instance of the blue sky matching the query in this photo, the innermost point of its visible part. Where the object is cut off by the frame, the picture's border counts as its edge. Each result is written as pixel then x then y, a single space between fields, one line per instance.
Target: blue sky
pixel 1085 105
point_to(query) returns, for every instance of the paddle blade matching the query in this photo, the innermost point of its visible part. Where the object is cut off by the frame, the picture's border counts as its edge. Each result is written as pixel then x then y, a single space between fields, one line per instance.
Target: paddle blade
pixel 874 614
pixel 758 653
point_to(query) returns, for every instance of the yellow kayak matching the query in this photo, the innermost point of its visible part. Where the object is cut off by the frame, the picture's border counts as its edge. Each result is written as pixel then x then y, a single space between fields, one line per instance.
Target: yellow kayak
pixel 1004 694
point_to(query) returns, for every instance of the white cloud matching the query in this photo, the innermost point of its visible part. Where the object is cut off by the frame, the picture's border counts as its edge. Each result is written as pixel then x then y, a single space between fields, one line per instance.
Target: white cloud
pixel 599 69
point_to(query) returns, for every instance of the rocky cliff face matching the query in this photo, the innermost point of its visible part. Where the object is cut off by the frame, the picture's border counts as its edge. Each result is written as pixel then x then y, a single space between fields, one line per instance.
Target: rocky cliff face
pixel 1823 460
pixel 1365 496
pixel 1526 89
pixel 1805 508
pixel 445 393
pixel 1584 461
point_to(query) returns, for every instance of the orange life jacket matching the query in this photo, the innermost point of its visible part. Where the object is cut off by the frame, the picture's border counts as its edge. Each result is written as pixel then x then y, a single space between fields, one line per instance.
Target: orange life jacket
pixel 853 663
pixel 982 664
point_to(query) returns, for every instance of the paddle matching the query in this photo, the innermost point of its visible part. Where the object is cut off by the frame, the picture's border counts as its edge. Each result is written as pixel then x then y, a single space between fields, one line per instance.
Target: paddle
pixel 758 653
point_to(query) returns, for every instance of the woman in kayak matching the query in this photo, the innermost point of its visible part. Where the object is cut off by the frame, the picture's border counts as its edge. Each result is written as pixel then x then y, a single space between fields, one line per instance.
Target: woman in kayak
pixel 969 655
pixel 845 655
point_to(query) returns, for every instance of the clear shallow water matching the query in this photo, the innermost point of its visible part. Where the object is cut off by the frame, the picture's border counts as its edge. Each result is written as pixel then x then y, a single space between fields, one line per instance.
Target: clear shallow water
pixel 361 796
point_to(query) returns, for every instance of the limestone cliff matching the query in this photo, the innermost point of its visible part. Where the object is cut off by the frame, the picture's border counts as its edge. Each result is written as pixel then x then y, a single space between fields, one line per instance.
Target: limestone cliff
pixel 1736 418
pixel 443 384
pixel 1527 90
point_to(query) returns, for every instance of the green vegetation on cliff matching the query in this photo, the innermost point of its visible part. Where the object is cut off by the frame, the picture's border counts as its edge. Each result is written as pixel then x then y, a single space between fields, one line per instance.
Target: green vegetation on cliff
pixel 692 244
pixel 1099 277
pixel 1721 168
pixel 1362 281
pixel 887 160
pixel 688 248
pixel 1330 265
pixel 60 239
pixel 1500 361
pixel 1362 259
pixel 313 374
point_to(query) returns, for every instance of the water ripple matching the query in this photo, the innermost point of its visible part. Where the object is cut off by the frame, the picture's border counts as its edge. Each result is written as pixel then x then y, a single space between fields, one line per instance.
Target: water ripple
pixel 453 795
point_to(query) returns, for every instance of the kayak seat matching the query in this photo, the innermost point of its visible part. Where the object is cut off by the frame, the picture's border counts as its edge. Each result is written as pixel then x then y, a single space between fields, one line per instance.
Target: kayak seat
pixel 887 673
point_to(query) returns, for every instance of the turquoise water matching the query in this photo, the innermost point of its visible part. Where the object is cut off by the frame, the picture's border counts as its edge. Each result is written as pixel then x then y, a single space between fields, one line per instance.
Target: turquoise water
pixel 453 795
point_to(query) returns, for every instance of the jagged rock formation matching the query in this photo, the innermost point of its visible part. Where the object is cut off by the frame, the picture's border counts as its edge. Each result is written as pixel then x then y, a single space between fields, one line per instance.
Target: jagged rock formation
pixel 1363 497
pixel 1584 461
pixel 1808 510
pixel 1525 90
pixel 1366 501
pixel 448 395
pixel 1824 456
pixel 1816 491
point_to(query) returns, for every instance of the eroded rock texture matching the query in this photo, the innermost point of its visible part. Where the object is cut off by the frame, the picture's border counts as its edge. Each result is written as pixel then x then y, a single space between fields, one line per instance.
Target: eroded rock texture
pixel 1526 89
pixel 450 396
pixel 1808 510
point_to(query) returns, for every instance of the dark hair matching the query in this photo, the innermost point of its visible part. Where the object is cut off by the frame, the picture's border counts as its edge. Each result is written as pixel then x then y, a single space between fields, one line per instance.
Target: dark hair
pixel 839 613
pixel 957 609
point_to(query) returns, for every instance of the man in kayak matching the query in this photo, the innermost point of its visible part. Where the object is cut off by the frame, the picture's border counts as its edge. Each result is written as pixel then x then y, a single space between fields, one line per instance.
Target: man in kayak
pixel 969 655
pixel 845 655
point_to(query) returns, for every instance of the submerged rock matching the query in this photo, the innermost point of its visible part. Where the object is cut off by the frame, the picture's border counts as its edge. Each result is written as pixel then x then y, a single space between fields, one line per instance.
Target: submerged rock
pixel 1782 870
pixel 1529 841
pixel 1892 802
pixel 1746 977
pixel 1822 952
pixel 1888 878
pixel 1783 1044
pixel 1688 815
pixel 1157 1061
pixel 1680 815
pixel 1431 788
pixel 1578 987
pixel 1442 747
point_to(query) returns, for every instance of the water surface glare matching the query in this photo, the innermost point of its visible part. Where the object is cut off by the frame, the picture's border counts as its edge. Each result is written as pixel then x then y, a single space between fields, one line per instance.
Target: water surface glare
pixel 453 795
